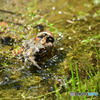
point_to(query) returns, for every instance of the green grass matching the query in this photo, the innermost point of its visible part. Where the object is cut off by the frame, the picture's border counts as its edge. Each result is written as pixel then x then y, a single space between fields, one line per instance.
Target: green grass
pixel 91 85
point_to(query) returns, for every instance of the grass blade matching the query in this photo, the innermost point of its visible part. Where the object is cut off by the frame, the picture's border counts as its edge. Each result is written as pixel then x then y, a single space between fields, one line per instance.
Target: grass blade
pixel 92 68
pixel 96 51
pixel 78 78
pixel 89 68
pixel 73 81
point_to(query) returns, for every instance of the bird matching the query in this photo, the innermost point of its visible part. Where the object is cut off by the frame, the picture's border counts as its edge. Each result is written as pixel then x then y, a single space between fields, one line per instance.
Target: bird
pixel 36 48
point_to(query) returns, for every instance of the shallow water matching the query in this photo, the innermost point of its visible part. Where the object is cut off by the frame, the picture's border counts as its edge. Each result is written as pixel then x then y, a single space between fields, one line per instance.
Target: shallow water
pixel 71 22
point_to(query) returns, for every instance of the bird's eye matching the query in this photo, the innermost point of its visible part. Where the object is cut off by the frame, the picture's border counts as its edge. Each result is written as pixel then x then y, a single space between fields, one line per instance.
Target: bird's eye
pixel 50 39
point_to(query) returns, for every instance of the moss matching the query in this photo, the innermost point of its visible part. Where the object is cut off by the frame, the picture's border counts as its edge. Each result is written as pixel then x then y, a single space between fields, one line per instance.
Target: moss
pixel 74 25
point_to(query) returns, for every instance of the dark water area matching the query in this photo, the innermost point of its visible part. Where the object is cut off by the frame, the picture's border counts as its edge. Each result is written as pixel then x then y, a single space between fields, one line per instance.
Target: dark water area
pixel 74 25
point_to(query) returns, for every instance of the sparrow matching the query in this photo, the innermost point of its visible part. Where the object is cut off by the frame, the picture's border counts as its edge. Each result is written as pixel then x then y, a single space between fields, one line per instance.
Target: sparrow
pixel 37 48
